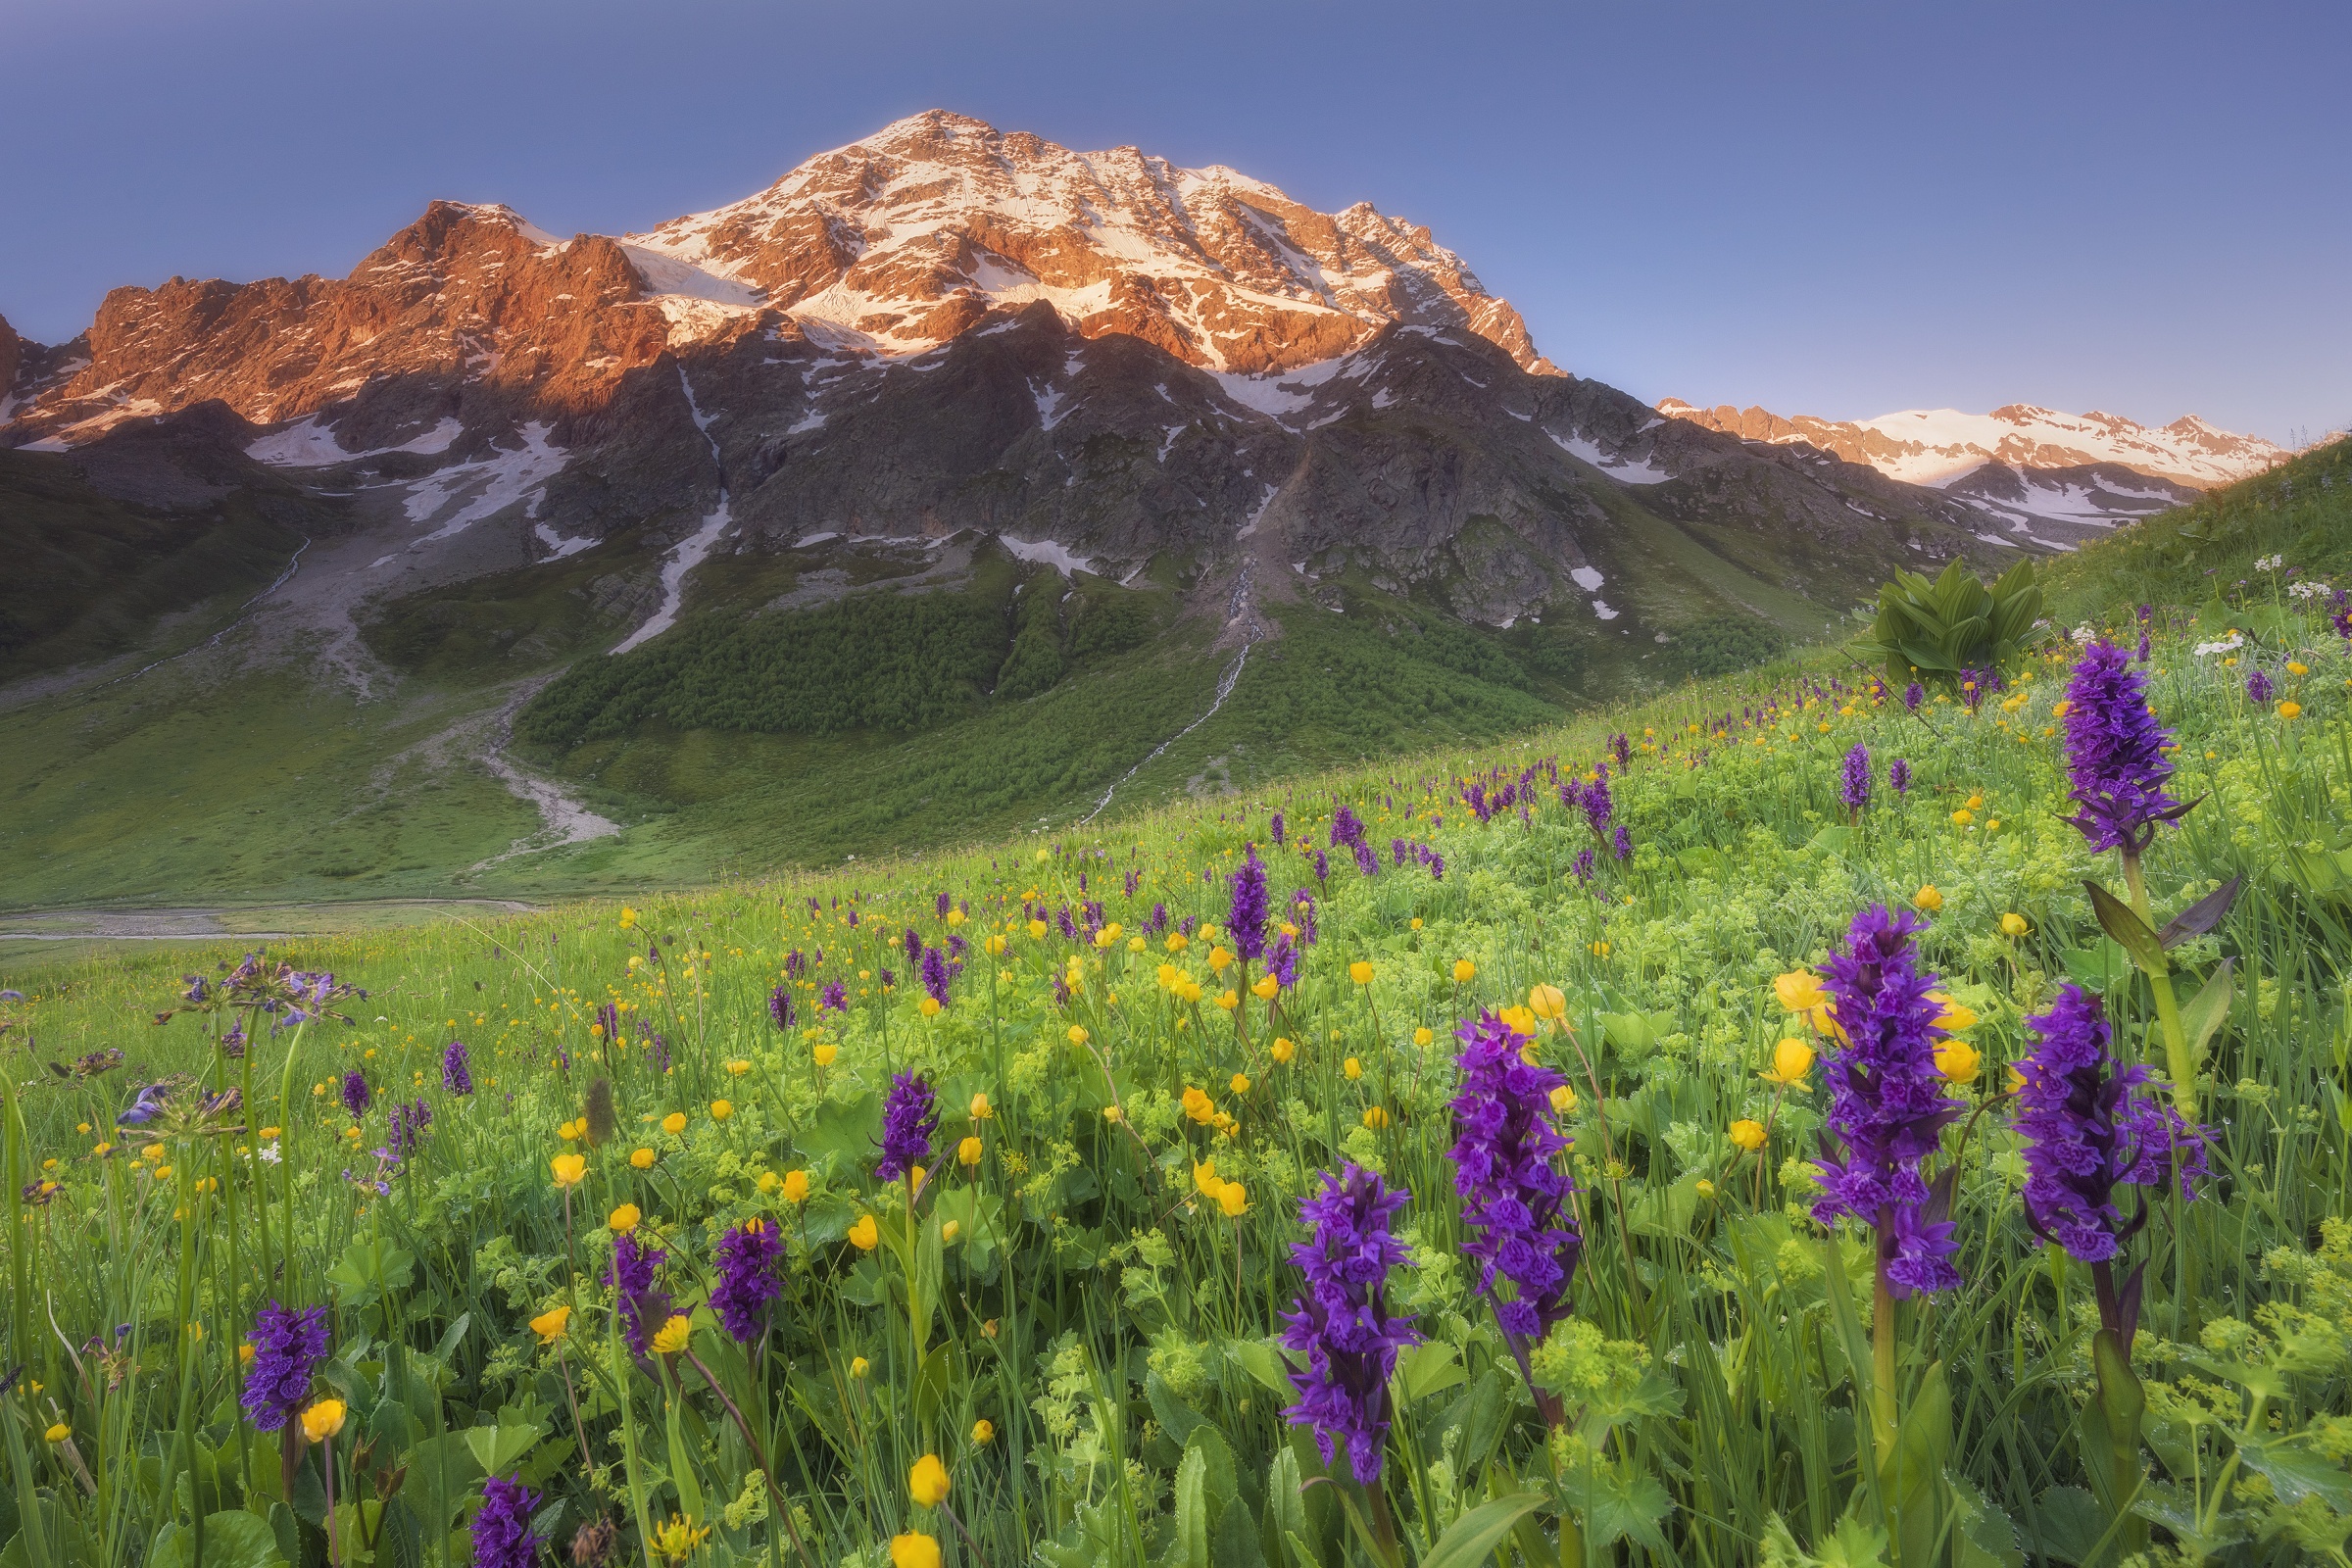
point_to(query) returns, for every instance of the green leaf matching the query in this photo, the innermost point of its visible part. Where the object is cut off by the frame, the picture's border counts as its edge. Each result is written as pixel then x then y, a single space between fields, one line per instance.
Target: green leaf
pixel 2206 1013
pixel 1986 1538
pixel 1286 1509
pixel 2119 922
pixel 1187 1544
pixel 231 1539
pixel 2097 967
pixel 2200 916
pixel 496 1449
pixel 369 1269
pixel 1466 1542
pixel 1217 1459
pixel 2296 1473
pixel 2067 1527
pixel 1622 1506
pixel 1430 1367
pixel 1235 1541
pixel 1262 1361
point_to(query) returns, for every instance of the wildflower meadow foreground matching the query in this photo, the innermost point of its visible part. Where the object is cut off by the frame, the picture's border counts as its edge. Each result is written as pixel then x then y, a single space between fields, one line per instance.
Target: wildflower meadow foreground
pixel 1838 1118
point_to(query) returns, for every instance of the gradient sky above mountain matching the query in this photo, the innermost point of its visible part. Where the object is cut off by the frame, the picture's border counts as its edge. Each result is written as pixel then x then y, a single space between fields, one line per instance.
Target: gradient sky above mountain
pixel 1838 210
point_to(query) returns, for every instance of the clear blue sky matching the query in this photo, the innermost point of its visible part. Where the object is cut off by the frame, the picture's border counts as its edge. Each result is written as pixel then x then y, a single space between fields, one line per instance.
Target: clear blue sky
pixel 1844 211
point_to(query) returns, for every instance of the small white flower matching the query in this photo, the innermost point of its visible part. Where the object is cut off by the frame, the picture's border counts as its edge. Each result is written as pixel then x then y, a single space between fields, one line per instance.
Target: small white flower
pixel 269 1153
pixel 2268 562
pixel 2308 588
pixel 2228 645
pixel 2086 634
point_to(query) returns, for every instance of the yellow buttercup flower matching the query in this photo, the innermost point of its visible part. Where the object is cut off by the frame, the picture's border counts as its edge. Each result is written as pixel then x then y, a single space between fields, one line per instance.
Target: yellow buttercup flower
pixel 1352 1069
pixel 1376 1118
pixel 983 1434
pixel 1360 973
pixel 1283 1049
pixel 569 1169
pixel 738 1067
pixel 1563 1100
pixel 1234 1199
pixel 2290 710
pixel 1927 899
pixel 2014 924
pixel 982 1110
pixel 323 1420
pixel 1748 1134
pixel 927 1483
pixel 796 1187
pixel 866 1235
pixel 1078 1034
pixel 968 1151
pixel 825 1054
pixel 628 917
pixel 1799 990
pixel 1464 971
pixel 1704 1188
pixel 928 1007
pixel 915 1550
pixel 1265 988
pixel 1547 1002
pixel 642 1158
pixel 1239 1083
pixel 674 1123
pixel 671 1337
pixel 624 1220
pixel 1954 1017
pixel 1520 1021
pixel 1792 1059
pixel 551 1324
pixel 860 1366
pixel 676 1541
pixel 58 1433
pixel 722 1110
pixel 1957 1060
pixel 1198 1105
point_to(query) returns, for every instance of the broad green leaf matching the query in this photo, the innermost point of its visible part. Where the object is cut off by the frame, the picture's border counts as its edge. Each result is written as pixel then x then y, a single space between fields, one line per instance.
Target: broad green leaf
pixel 1430 1367
pixel 1187 1544
pixel 1234 1543
pixel 1176 1418
pixel 1262 1361
pixel 496 1449
pixel 2296 1473
pixel 1985 1539
pixel 232 1539
pixel 2207 1011
pixel 2068 1525
pixel 2121 922
pixel 1466 1542
pixel 1217 1459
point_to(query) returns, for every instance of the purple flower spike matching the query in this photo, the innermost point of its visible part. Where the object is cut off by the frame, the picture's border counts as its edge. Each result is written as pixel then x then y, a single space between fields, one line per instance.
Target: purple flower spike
pixel 502 1526
pixel 2115 749
pixel 1898 777
pixel 457 1069
pixel 779 1007
pixel 1246 921
pixel 909 1118
pixel 1887 1103
pixel 835 998
pixel 2258 687
pixel 1343 1340
pixel 287 1344
pixel 356 1096
pixel 1914 695
pixel 1622 846
pixel 643 1307
pixel 1853 785
pixel 1514 1196
pixel 747 1258
pixel 935 975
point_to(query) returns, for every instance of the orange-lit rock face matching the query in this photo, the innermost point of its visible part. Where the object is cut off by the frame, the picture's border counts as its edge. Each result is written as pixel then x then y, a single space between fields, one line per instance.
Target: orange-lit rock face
pixel 899 241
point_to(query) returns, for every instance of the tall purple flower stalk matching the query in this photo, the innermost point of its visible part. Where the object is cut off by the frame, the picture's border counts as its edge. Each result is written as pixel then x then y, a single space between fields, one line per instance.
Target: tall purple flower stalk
pixel 408 1128
pixel 643 1306
pixel 286 1346
pixel 1898 777
pixel 1622 845
pixel 356 1096
pixel 1888 1106
pixel 1247 919
pixel 909 1118
pixel 1623 750
pixel 1514 1194
pixel 1366 862
pixel 1343 1340
pixel 779 1007
pixel 1581 868
pixel 457 1069
pixel 2258 687
pixel 2115 749
pixel 747 1258
pixel 1914 695
pixel 502 1526
pixel 935 975
pixel 835 998
pixel 1853 784
pixel 1276 826
pixel 1597 803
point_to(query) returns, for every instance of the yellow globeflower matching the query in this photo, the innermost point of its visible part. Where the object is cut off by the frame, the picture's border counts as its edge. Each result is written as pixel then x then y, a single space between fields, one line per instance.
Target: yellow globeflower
pixel 671 1337
pixel 1748 1134
pixel 642 1158
pixel 58 1433
pixel 551 1324
pixel 1704 1188
pixel 1353 1068
pixel 1464 971
pixel 1360 973
pixel 738 1067
pixel 983 1434
pixel 1376 1118
pixel 1234 1199
pixel 1079 1035
pixel 1563 1100
pixel 1230 1001
pixel 1547 1002
pixel 1423 1036
pixel 1957 1060
pixel 2290 710
pixel 969 1150
pixel 1928 899
pixel 1954 1017
pixel 1792 1059
pixel 915 1550
pixel 1519 1020
pixel 628 917
pixel 927 1482
pixel 2014 924
pixel 995 946
pixel 569 1169
pixel 982 1110
pixel 1239 1083
pixel 674 1123
pixel 1799 990
pixel 796 1187
pixel 1220 959
pixel 1265 988
pixel 860 1366
pixel 825 1054
pixel 323 1420
pixel 1283 1049
pixel 866 1235
pixel 722 1110
pixel 1198 1105
pixel 624 1220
